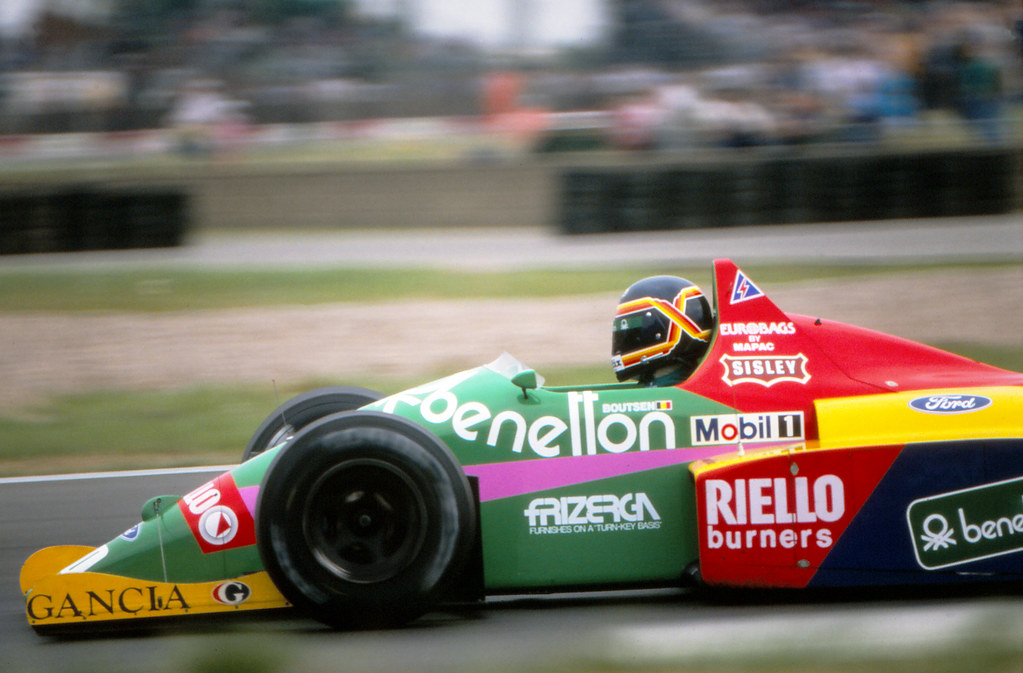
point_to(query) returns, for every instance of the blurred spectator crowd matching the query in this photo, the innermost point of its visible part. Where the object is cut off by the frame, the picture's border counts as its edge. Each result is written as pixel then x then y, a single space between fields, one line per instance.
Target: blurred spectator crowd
pixel 842 72
pixel 669 74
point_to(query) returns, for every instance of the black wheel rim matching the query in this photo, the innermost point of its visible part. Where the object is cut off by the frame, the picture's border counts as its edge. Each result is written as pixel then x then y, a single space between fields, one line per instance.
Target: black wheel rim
pixel 364 521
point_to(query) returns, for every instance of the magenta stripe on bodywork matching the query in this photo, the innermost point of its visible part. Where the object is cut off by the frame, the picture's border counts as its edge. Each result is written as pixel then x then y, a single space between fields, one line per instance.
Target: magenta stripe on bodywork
pixel 249 495
pixel 503 480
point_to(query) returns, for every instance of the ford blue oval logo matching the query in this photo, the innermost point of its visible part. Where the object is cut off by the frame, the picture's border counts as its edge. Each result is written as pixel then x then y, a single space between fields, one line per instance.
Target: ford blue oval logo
pixel 950 404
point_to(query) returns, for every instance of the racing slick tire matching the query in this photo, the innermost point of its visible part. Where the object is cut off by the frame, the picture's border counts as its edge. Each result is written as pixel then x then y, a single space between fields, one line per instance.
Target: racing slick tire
pixel 302 410
pixel 364 520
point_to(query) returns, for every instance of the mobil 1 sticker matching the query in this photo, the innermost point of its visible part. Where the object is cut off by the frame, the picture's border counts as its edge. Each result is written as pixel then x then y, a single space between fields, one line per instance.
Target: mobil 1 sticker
pixel 953 528
pixel 749 428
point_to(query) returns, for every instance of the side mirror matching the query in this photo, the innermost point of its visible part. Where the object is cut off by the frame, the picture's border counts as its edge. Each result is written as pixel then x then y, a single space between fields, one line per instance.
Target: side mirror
pixel 154 507
pixel 526 380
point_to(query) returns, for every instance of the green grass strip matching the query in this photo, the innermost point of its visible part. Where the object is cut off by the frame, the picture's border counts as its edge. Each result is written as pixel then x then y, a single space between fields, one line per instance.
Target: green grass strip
pixel 203 425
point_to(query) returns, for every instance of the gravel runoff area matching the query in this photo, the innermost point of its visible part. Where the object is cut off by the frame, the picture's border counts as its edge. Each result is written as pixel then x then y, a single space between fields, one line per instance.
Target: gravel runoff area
pixel 46 354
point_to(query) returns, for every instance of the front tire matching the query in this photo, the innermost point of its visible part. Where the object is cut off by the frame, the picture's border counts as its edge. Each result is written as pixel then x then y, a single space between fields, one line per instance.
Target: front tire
pixel 364 519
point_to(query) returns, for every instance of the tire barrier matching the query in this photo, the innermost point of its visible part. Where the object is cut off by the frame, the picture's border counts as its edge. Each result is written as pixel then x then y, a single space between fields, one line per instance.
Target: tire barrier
pixel 782 190
pixel 73 219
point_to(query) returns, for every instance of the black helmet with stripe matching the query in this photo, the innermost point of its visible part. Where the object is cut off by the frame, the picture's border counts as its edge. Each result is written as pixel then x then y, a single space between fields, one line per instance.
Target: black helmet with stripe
pixel 662 327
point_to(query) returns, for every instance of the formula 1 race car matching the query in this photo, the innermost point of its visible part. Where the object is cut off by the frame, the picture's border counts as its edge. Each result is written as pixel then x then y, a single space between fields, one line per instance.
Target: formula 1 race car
pixel 799 453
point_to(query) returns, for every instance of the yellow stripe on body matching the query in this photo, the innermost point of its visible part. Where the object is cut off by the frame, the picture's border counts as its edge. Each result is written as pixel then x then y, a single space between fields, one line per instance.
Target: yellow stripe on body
pixel 888 418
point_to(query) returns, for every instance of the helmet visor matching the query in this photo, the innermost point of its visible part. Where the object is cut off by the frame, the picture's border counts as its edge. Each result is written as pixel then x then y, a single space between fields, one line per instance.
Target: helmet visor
pixel 638 331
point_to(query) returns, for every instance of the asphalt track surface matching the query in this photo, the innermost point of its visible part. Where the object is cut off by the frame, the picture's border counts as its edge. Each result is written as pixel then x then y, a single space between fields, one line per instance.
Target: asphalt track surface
pixel 645 630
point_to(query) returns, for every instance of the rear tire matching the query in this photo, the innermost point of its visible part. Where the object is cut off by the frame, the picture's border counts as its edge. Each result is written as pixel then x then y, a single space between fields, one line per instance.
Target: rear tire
pixel 298 412
pixel 364 519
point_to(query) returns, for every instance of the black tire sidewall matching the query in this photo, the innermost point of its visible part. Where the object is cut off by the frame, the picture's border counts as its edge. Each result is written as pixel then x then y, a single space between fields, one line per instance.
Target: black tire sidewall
pixel 359 436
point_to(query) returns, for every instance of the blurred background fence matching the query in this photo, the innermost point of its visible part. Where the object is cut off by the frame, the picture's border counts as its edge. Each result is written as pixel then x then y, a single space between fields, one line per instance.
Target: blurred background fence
pixel 73 218
pixel 599 193
pixel 821 187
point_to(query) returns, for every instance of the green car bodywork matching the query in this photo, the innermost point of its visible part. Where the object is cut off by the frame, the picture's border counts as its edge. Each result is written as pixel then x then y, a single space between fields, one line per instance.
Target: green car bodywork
pixel 577 486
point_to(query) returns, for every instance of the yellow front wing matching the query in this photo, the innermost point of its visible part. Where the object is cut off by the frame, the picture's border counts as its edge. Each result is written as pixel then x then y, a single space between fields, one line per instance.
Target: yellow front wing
pixel 53 598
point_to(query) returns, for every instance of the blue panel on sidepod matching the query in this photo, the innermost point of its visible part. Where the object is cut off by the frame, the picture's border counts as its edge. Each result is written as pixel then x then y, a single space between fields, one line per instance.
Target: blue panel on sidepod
pixel 878 539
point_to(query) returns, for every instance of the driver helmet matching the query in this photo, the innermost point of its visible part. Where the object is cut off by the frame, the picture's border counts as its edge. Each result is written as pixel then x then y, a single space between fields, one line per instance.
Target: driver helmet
pixel 661 330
